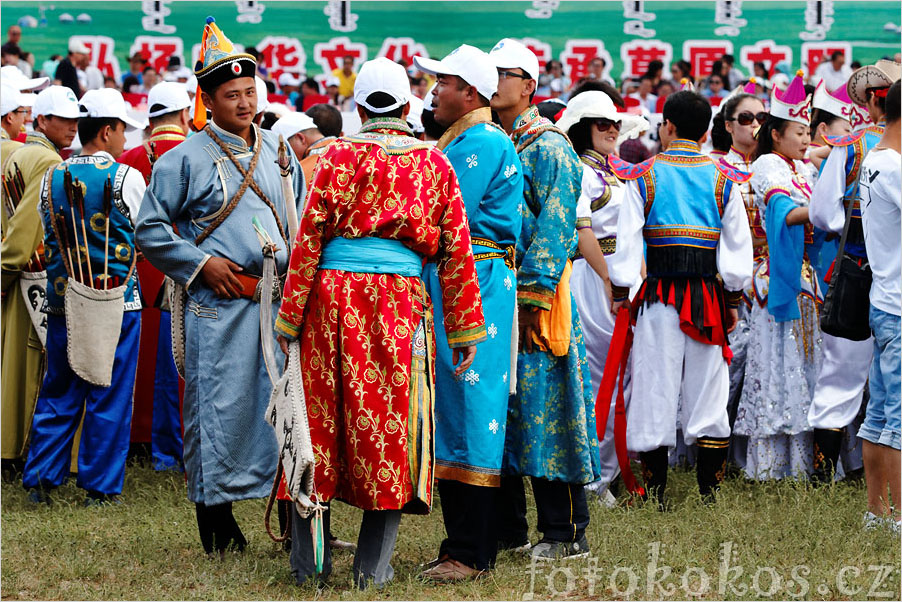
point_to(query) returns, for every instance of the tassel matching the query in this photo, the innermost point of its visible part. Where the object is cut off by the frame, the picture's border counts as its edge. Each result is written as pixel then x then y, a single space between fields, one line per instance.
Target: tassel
pixel 316 532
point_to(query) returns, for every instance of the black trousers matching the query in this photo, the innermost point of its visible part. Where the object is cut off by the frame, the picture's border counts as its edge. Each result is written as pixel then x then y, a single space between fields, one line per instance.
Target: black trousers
pixel 468 512
pixel 563 513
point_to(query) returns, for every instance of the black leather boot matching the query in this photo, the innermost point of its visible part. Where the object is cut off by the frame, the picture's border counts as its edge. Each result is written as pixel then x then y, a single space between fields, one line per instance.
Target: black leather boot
pixel 711 465
pixel 827 443
pixel 654 473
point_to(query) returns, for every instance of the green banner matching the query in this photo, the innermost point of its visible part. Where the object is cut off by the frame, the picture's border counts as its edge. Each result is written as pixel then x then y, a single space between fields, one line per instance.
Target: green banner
pixel 311 37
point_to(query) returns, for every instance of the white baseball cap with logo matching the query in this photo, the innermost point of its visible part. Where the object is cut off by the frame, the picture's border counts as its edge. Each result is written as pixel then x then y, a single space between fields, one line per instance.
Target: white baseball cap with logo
pixel 167 97
pixel 108 103
pixel 11 99
pixel 287 79
pixel 511 54
pixel 292 123
pixel 469 64
pixel 57 101
pixel 262 94
pixel 12 76
pixel 382 75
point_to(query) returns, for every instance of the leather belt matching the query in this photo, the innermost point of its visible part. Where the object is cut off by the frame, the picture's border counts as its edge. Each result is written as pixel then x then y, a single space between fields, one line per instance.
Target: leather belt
pixel 251 285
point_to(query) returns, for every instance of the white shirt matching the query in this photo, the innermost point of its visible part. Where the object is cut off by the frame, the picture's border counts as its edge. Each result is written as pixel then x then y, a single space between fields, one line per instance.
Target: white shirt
pixel 881 217
pixel 650 102
pixel 826 210
pixel 832 79
pixel 734 249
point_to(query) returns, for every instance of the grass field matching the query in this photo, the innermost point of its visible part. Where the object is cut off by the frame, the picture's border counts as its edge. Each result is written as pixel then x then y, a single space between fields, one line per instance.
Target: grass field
pixel 785 540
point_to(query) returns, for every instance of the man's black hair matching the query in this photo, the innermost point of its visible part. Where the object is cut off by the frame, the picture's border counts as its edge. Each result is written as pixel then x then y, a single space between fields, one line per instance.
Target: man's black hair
pixel 432 127
pixel 379 100
pixel 729 59
pixel 326 118
pixel 311 83
pixel 689 112
pixel 836 54
pixel 89 127
pixel 892 103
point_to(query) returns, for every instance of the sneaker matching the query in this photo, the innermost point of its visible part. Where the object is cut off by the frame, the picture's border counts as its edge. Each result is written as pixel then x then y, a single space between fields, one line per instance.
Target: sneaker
pixel 39 496
pixel 547 550
pixel 517 548
pixel 872 521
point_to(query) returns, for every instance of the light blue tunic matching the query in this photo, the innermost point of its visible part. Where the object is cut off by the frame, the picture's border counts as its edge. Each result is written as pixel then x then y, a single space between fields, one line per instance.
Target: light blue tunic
pixel 471 411
pixel 230 450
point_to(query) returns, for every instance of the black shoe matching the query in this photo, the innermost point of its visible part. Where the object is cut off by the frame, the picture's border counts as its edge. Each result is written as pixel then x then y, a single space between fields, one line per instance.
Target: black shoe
pixel 654 473
pixel 711 465
pixel 827 443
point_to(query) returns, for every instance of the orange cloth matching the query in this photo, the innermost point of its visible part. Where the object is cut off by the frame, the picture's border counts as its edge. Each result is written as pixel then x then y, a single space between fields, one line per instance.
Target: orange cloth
pixel 554 324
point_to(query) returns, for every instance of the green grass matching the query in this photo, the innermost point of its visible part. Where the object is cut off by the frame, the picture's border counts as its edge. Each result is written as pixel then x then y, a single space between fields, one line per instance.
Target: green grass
pixel 148 548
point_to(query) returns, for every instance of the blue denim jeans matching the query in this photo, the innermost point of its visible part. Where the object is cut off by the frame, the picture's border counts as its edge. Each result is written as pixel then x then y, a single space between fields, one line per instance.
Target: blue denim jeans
pixel 884 412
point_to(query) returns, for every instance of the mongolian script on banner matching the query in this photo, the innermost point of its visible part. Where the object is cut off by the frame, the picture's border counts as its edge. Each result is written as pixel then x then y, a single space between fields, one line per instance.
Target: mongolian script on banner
pixel 542 9
pixel 818 19
pixel 328 55
pixel 340 16
pixel 766 51
pixel 637 54
pixel 578 53
pixel 155 13
pixel 728 15
pixel 701 54
pixel 249 11
pixel 157 49
pixel 636 17
pixel 814 53
pixel 397 49
pixel 102 54
pixel 281 54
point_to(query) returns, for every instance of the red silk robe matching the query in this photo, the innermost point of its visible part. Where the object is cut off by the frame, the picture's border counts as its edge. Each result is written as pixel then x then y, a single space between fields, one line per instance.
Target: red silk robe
pixel 163 138
pixel 367 346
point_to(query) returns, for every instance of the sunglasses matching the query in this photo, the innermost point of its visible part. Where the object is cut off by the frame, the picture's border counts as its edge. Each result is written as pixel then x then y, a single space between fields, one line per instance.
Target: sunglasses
pixel 603 125
pixel 503 74
pixel 747 117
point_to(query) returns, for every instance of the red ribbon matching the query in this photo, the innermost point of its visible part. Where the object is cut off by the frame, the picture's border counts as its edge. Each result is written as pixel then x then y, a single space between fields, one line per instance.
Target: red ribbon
pixel 615 364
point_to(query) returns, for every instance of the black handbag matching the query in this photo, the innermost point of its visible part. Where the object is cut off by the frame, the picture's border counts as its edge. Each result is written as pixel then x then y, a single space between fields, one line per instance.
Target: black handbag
pixel 847 304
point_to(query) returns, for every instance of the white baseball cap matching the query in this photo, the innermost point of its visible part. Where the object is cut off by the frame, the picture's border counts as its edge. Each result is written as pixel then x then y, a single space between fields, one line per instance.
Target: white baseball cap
pixel 415 115
pixel 171 96
pixel 58 101
pixel 12 76
pixel 595 104
pixel 291 124
pixel 469 64
pixel 107 103
pixel 262 94
pixel 332 81
pixel 10 99
pixel 287 79
pixel 511 54
pixel 78 46
pixel 382 75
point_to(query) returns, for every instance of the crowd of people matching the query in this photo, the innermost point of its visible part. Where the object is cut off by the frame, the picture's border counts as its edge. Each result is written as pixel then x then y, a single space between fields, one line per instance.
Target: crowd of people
pixel 499 275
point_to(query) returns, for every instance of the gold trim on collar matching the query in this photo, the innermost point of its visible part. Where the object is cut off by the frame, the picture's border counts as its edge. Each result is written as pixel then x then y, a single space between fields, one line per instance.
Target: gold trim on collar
pixel 474 117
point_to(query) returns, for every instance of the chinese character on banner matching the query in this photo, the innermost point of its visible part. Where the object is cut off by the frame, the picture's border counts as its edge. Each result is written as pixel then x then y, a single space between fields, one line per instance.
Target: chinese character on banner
pixel 101 53
pixel 636 17
pixel 281 54
pixel 157 49
pixel 542 50
pixel 542 9
pixel 728 15
pixel 766 51
pixel 395 49
pixel 813 53
pixel 818 19
pixel 340 16
pixel 155 13
pixel 328 55
pixel 578 53
pixel 250 11
pixel 701 54
pixel 637 54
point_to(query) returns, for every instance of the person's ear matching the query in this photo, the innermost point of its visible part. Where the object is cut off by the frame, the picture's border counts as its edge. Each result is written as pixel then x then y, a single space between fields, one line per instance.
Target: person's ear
pixel 530 87
pixel 728 125
pixel 405 111
pixel 206 99
pixel 361 113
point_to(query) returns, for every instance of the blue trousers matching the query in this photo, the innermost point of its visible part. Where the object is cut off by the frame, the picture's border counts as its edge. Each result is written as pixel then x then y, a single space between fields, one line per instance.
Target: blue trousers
pixel 166 428
pixel 107 411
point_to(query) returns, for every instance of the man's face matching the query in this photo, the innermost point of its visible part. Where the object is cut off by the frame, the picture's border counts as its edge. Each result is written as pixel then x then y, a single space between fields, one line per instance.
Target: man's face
pixel 10 59
pixel 233 104
pixel 14 34
pixel 511 88
pixel 151 78
pixel 14 121
pixel 715 84
pixel 596 67
pixel 838 62
pixel 116 143
pixel 61 132
pixel 136 65
pixel 645 87
pixel 448 99
pixel 80 60
pixel 347 64
pixel 298 144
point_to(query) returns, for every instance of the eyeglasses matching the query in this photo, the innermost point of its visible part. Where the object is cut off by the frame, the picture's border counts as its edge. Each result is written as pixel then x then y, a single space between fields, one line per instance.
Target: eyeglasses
pixel 603 125
pixel 747 117
pixel 503 74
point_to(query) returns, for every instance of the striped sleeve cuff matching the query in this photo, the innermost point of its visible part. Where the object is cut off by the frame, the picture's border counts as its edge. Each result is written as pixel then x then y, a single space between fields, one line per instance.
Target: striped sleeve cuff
pixel 537 297
pixel 732 298
pixel 774 192
pixel 464 338
pixel 287 329
pixel 620 293
pixel 583 222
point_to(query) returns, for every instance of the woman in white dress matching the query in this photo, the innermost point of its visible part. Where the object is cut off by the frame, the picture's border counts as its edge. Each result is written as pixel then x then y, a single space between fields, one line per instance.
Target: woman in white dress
pixel 784 350
pixel 596 128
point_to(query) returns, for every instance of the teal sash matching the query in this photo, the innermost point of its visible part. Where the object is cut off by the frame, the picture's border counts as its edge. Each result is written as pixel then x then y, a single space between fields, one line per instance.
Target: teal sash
pixel 371 255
